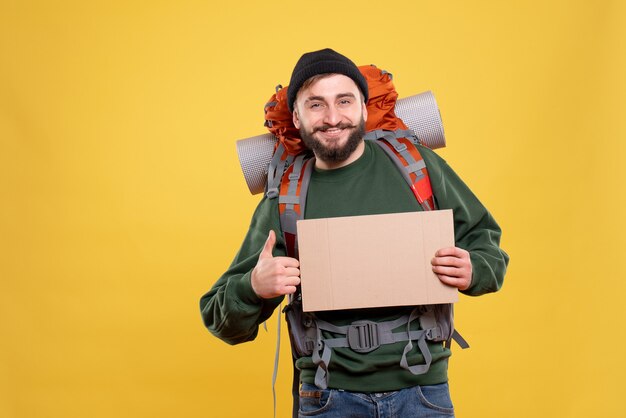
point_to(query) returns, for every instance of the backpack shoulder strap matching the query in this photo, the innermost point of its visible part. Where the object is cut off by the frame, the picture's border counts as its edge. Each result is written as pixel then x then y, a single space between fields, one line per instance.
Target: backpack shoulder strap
pixel 281 159
pixel 404 153
pixel 406 156
pixel 292 188
pixel 292 199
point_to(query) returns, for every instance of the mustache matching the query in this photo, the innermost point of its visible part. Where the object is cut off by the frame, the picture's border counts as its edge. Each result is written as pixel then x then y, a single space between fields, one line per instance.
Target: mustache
pixel 340 125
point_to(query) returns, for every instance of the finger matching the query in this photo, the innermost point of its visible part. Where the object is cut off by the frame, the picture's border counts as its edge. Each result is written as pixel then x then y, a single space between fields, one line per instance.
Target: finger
pixel 292 272
pixel 447 261
pixel 291 281
pixel 449 251
pixel 268 247
pixel 453 281
pixel 290 290
pixel 288 261
pixel 448 271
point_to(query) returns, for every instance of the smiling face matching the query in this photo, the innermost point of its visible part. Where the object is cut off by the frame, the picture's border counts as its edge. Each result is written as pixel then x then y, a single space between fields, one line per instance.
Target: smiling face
pixel 330 114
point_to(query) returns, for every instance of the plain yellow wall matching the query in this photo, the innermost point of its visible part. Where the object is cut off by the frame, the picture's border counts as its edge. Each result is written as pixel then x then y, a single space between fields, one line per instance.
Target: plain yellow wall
pixel 122 200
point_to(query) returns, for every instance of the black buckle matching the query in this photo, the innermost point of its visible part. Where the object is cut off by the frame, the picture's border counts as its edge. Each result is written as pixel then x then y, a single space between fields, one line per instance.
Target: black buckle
pixel 434 334
pixel 363 336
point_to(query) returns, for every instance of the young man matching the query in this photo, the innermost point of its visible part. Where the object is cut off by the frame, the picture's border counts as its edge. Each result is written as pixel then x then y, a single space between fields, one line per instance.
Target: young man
pixel 327 96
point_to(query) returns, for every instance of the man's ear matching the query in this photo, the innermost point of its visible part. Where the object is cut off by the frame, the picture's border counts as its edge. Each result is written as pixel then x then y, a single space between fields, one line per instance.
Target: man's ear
pixel 364 111
pixel 296 120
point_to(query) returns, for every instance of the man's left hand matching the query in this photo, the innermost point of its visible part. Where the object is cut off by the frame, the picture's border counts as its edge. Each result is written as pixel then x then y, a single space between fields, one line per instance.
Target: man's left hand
pixel 453 267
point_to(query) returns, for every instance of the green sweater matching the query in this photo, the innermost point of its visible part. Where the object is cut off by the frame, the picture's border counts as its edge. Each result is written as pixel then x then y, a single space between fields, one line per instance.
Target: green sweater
pixel 371 185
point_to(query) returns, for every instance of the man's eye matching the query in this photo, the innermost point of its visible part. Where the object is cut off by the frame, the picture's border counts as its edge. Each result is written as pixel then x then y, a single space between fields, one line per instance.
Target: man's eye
pixel 315 105
pixel 345 101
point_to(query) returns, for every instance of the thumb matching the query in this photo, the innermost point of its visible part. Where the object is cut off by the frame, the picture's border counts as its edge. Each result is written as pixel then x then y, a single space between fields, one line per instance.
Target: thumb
pixel 266 252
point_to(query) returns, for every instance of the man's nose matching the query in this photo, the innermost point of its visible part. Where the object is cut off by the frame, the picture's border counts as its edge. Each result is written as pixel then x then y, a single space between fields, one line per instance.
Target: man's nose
pixel 332 116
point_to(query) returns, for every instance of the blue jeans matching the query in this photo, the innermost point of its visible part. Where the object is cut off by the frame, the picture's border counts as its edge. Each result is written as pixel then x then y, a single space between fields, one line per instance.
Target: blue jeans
pixel 413 402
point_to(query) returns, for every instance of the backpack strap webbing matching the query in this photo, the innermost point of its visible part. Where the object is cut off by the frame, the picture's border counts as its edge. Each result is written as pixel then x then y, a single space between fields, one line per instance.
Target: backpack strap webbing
pixel 280 160
pixel 276 358
pixel 292 199
pixel 366 336
pixel 404 153
pixel 458 338
pixel 291 204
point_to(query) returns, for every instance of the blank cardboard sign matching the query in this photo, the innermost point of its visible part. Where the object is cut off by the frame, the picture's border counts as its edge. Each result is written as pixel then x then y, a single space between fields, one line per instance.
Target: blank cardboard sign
pixel 373 261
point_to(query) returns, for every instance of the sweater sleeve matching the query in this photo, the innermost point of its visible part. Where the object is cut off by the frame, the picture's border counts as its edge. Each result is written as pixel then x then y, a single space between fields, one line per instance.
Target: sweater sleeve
pixel 231 310
pixel 475 229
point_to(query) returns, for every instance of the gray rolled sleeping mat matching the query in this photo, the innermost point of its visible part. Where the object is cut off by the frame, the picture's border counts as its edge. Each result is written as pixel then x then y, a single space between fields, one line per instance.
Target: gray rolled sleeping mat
pixel 420 113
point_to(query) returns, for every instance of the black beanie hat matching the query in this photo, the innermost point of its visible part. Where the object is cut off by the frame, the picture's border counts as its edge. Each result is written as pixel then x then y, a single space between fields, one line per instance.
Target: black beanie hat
pixel 324 61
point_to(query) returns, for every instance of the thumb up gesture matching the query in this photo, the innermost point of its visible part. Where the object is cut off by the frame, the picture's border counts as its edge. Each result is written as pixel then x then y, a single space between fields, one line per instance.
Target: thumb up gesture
pixel 274 276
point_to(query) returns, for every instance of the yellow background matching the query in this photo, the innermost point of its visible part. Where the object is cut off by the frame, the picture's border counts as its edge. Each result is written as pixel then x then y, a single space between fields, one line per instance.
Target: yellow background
pixel 122 200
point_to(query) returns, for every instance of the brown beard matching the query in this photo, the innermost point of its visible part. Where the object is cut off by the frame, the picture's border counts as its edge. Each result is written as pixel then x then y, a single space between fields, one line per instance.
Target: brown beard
pixel 334 154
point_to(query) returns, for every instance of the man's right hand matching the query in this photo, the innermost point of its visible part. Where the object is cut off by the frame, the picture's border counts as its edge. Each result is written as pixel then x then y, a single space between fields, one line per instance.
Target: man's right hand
pixel 274 276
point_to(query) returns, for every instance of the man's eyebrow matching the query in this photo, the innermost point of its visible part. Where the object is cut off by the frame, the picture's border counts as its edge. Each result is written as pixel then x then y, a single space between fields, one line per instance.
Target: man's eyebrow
pixel 322 98
pixel 314 98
